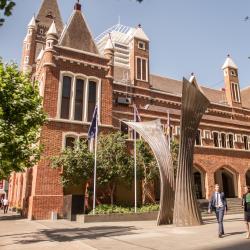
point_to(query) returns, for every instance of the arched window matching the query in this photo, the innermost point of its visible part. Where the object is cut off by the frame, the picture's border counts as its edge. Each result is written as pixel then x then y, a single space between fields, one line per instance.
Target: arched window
pixel 65 101
pixel 91 99
pixel 70 142
pixel 79 99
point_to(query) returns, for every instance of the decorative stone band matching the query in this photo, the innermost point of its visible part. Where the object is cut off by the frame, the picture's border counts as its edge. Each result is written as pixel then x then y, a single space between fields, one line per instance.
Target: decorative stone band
pixel 152 133
pixel 194 105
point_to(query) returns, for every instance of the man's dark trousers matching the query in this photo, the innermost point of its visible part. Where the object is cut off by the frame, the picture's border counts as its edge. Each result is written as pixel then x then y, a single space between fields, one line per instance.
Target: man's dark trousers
pixel 220 215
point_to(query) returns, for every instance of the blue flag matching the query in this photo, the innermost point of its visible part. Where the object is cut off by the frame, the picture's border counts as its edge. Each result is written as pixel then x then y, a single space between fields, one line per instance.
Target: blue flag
pixel 93 126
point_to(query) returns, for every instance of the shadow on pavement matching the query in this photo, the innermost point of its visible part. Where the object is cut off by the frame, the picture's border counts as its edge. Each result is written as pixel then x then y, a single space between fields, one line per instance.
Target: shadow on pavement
pixel 71 234
pixel 10 217
pixel 213 220
pixel 244 245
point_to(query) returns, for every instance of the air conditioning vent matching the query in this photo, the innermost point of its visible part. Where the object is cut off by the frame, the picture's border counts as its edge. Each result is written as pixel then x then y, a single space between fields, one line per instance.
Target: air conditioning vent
pixel 124 100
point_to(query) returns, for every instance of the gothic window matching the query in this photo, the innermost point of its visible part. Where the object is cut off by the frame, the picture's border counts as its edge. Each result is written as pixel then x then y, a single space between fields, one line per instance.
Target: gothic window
pixel 141 69
pixel 28 46
pixel 223 140
pixel 26 60
pixel 207 134
pixel 216 139
pixel 70 142
pixel 245 139
pixel 49 14
pixel 41 31
pixel 65 101
pixel 79 99
pixel 198 137
pixel 235 92
pixel 238 138
pixel 91 99
pixel 230 140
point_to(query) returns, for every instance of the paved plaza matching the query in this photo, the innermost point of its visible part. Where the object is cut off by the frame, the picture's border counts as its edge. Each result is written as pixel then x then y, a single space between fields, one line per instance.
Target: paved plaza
pixel 18 233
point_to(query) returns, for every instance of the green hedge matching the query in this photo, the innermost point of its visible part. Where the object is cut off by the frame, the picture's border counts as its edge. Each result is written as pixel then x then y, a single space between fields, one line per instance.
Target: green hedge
pixel 108 209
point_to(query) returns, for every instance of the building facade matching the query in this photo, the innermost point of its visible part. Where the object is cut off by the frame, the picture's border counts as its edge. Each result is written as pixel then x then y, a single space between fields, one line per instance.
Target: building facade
pixel 75 72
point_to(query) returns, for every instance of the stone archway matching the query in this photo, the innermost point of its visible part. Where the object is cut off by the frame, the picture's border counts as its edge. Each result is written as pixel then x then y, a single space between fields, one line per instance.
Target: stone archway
pixel 227 180
pixel 199 182
pixel 248 177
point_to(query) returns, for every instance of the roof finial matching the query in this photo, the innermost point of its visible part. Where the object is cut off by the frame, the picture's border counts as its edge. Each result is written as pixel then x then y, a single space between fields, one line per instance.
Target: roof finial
pixel 78 6
pixel 192 74
pixel 228 55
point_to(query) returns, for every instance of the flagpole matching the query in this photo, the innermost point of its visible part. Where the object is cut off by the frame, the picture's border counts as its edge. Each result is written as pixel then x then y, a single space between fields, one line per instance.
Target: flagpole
pixel 169 138
pixel 135 161
pixel 94 196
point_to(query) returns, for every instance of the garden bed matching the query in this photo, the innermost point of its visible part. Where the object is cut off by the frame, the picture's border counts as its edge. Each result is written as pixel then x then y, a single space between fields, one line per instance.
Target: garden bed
pixel 88 218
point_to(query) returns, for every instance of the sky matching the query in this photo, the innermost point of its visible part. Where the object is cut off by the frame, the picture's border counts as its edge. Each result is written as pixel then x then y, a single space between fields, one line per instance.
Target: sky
pixel 185 35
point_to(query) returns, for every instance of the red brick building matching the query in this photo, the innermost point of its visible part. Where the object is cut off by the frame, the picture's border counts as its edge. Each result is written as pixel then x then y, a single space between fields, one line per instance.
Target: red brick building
pixel 76 71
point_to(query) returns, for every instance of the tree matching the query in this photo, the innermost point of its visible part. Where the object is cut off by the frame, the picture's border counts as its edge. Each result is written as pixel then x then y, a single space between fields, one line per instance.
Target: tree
pixel 21 117
pixel 148 169
pixel 6 6
pixel 77 164
pixel 174 148
pixel 114 162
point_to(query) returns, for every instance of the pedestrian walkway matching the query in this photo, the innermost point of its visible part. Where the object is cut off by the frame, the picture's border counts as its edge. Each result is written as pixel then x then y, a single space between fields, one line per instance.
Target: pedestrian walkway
pixel 17 233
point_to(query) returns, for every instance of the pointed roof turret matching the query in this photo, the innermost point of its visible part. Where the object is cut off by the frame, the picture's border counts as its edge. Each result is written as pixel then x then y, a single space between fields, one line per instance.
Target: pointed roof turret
pixel 139 33
pixel 32 23
pixel 109 45
pixel 229 63
pixel 52 30
pixel 48 12
pixel 77 34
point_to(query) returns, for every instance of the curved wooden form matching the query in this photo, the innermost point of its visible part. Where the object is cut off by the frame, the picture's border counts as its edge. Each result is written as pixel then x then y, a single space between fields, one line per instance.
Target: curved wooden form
pixel 194 105
pixel 152 133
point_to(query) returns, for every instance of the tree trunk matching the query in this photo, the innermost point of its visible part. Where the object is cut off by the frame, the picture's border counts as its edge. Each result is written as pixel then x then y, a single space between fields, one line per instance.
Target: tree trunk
pixel 148 195
pixel 111 193
pixel 86 197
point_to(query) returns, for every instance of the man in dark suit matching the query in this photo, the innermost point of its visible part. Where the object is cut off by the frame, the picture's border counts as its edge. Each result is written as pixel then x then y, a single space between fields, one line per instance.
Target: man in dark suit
pixel 218 203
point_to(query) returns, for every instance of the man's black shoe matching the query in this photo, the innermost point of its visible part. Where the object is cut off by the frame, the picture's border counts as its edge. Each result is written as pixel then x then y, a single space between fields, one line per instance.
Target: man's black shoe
pixel 220 235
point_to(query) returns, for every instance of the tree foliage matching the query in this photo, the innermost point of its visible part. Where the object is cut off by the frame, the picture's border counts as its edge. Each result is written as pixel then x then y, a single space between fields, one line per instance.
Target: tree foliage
pixel 146 161
pixel 77 164
pixel 21 117
pixel 174 148
pixel 114 162
pixel 6 7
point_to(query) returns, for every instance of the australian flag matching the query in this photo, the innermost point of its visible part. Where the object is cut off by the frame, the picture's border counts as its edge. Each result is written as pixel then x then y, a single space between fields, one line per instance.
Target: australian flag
pixel 93 127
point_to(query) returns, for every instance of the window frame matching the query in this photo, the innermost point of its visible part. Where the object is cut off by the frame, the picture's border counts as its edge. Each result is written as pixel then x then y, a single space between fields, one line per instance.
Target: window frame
pixel 235 92
pixel 248 143
pixel 143 45
pixel 204 134
pixel 199 145
pixel 228 143
pixel 86 79
pixel 141 58
pixel 219 138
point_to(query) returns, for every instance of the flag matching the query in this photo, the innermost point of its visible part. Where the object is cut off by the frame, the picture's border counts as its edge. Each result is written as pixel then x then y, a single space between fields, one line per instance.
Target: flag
pixel 93 126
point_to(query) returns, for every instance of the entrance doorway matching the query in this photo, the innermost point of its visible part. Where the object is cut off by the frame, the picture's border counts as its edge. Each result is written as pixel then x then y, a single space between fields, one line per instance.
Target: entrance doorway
pixel 227 181
pixel 199 183
pixel 248 178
